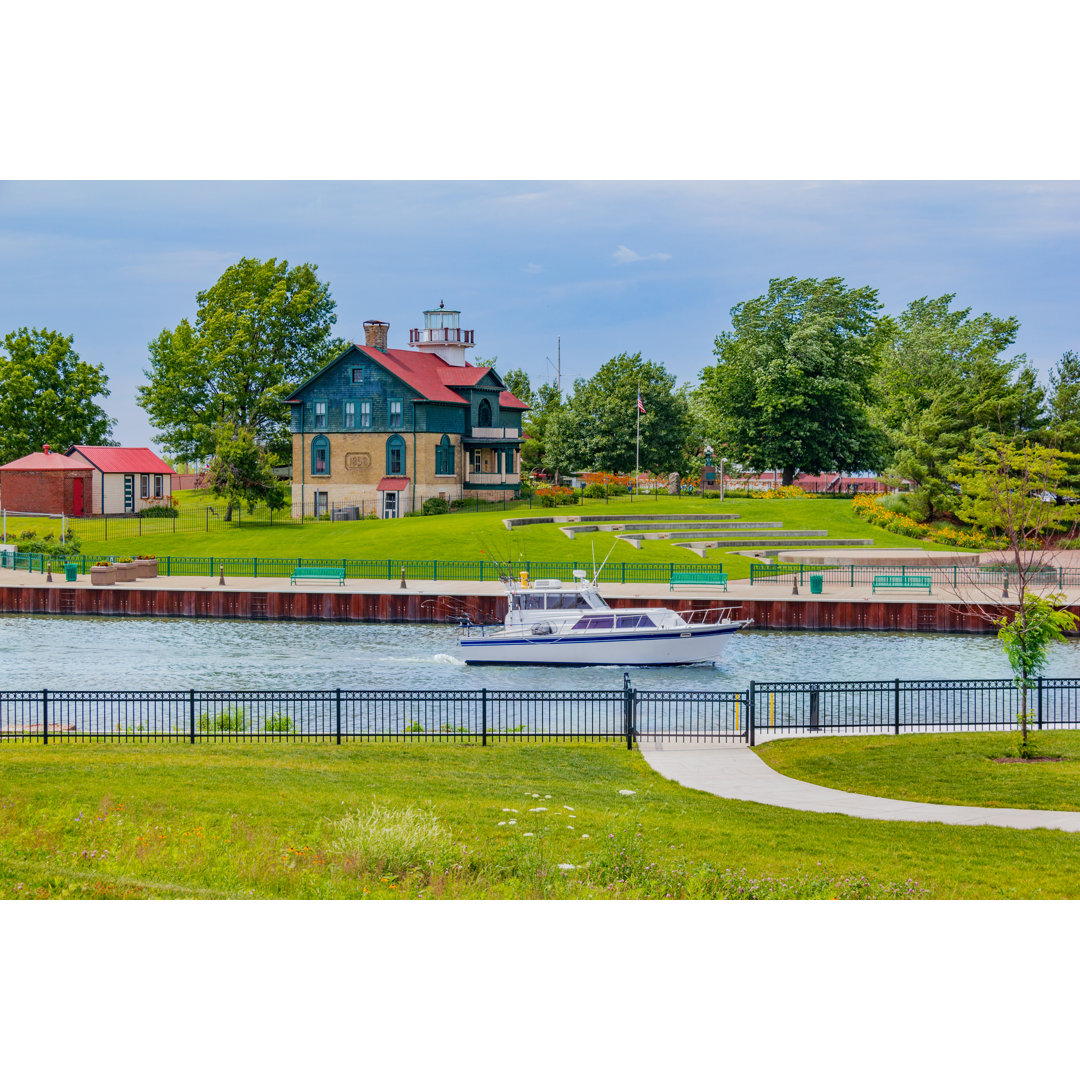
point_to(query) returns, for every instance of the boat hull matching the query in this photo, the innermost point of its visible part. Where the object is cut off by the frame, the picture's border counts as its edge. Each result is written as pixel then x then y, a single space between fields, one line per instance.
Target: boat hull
pixel 691 645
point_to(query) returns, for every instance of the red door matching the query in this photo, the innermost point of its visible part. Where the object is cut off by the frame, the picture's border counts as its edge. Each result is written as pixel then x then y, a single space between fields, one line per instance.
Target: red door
pixel 77 496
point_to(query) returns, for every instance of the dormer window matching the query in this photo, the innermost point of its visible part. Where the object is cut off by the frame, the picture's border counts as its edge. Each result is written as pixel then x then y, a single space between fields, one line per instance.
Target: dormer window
pixel 483 414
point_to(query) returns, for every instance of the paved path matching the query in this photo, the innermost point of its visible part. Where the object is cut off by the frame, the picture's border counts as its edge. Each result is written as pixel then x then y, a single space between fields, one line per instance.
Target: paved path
pixel 736 772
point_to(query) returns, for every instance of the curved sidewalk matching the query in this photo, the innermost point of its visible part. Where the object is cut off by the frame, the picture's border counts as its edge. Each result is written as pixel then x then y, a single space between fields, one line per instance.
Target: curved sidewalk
pixel 736 772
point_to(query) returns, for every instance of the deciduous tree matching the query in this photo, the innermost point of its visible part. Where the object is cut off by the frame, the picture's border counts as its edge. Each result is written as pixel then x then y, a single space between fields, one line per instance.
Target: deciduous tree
pixel 46 395
pixel 1063 404
pixel 598 426
pixel 260 329
pixel 240 472
pixel 792 384
pixel 1018 491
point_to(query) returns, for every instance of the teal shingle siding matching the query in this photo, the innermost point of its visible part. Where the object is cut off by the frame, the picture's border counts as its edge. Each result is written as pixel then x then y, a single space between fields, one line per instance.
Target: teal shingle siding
pixel 335 385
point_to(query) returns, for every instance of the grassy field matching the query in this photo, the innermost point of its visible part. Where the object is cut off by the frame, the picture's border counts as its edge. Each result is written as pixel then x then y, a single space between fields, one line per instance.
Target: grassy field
pixel 958 768
pixel 393 820
pixel 468 535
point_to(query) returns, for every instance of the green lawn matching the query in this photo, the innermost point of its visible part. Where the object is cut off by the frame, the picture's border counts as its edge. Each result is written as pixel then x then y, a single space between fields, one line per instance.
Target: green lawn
pixel 468 535
pixel 958 768
pixel 265 820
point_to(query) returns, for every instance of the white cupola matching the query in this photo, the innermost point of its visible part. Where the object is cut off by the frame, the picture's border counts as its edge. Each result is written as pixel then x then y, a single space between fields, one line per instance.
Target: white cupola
pixel 443 336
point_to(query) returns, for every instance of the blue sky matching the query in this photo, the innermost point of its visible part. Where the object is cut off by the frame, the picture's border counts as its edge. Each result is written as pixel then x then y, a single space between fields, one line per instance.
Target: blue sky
pixel 608 266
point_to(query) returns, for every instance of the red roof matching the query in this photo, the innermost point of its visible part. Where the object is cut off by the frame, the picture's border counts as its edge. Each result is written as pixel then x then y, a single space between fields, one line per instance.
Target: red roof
pixel 420 370
pixel 122 459
pixel 393 483
pixel 508 401
pixel 39 460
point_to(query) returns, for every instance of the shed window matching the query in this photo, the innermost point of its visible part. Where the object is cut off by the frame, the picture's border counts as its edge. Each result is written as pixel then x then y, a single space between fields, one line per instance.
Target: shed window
pixel 157 487
pixel 395 456
pixel 320 456
pixel 144 486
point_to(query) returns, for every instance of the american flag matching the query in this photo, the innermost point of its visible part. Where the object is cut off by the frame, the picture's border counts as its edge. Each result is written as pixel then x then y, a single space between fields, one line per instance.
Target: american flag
pixel 640 404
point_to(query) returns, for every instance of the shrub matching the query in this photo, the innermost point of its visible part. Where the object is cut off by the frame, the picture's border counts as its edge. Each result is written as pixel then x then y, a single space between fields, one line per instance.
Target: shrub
pixel 789 491
pixel 413 513
pixel 229 720
pixel 458 504
pixel 279 722
pixel 594 491
pixel 436 506
pixel 394 841
pixel 158 512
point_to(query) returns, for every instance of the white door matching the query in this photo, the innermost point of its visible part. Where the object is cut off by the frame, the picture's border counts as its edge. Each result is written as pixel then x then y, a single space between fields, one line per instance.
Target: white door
pixel 389 504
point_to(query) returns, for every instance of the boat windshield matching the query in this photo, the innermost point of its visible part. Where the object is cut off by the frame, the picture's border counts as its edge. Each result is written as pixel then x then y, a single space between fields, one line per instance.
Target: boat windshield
pixel 633 622
pixel 553 601
pixel 594 622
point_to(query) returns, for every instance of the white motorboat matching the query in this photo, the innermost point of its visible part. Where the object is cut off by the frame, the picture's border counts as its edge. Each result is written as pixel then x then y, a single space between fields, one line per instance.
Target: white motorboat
pixel 549 622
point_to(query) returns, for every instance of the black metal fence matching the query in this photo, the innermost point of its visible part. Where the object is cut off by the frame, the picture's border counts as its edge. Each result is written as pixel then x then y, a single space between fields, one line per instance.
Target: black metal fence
pixel 909 705
pixel 339 715
pixel 482 716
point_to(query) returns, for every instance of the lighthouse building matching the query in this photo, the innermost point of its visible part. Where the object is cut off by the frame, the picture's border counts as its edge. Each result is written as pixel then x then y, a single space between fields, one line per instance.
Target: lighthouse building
pixel 389 428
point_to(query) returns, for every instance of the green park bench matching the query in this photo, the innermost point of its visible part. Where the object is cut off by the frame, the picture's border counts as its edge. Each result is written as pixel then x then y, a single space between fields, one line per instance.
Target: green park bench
pixel 697 577
pixel 901 581
pixel 318 573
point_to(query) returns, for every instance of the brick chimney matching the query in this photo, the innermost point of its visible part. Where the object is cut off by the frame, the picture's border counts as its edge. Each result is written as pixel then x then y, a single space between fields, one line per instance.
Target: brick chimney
pixel 375 334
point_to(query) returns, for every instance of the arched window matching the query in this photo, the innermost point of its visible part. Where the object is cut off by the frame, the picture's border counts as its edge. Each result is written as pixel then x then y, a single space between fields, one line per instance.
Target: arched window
pixel 444 457
pixel 483 414
pixel 395 456
pixel 320 456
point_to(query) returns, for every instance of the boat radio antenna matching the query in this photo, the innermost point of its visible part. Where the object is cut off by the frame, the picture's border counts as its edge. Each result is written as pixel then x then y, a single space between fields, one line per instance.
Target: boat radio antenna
pixel 597 573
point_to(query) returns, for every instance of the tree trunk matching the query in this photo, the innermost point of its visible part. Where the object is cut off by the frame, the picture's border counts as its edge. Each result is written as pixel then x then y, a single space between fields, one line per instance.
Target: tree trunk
pixel 228 511
pixel 789 475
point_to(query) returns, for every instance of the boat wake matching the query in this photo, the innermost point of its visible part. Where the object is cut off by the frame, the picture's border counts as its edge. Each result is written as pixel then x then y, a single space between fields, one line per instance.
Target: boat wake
pixel 446 658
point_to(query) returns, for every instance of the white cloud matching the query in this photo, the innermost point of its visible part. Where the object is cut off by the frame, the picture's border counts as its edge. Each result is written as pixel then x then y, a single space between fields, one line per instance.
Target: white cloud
pixel 532 268
pixel 623 254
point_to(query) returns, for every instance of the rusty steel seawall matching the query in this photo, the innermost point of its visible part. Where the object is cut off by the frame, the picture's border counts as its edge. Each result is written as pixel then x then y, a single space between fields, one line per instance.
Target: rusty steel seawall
pixel 406 607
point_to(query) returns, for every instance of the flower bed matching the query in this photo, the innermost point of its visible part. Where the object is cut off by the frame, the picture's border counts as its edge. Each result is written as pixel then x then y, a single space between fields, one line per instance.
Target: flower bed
pixel 870 510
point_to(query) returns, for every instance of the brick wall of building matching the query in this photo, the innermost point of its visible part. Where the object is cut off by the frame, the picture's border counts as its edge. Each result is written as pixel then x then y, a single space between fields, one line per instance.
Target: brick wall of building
pixel 45 491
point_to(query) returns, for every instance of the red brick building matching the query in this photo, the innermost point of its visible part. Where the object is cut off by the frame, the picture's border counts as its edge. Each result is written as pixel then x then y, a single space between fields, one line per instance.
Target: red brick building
pixel 47 483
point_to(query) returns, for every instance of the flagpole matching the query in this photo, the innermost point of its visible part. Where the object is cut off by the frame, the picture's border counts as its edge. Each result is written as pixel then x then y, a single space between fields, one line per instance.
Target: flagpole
pixel 637 444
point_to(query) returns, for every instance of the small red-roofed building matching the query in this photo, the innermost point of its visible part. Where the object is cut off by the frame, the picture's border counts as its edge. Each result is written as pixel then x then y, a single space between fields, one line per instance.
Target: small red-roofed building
pixel 389 428
pixel 126 479
pixel 46 483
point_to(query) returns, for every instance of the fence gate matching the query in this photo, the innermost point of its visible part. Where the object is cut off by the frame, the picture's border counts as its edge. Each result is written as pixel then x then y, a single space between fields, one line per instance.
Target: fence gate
pixel 688 716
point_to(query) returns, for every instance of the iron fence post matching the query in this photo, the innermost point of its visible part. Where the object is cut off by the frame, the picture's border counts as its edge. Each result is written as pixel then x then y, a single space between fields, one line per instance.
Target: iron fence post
pixel 45 717
pixel 191 714
pixel 337 714
pixel 751 734
pixel 1039 703
pixel 896 706
pixel 483 716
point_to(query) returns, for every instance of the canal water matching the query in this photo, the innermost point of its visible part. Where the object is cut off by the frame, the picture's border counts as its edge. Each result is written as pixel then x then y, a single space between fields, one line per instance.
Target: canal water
pixel 43 652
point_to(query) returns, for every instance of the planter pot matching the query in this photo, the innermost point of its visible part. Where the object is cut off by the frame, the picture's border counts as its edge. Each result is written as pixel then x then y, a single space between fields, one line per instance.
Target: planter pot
pixel 103 575
pixel 146 568
pixel 126 571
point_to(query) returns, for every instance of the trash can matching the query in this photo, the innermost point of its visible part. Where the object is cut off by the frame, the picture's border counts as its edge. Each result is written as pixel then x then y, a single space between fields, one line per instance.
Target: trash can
pixel 815 583
pixel 70 571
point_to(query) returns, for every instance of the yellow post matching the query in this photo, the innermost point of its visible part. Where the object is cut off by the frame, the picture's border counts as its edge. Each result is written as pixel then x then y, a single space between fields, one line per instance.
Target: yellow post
pixel 736 718
pixel 772 698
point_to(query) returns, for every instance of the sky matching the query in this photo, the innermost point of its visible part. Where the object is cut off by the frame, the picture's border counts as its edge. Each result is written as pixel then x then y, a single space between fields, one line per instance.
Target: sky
pixel 606 266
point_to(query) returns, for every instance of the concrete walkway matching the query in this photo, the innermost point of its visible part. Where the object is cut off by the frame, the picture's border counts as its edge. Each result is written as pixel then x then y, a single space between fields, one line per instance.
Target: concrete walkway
pixel 736 772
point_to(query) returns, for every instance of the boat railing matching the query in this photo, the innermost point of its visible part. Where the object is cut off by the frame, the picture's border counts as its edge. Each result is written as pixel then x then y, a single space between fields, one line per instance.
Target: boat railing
pixel 707 616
